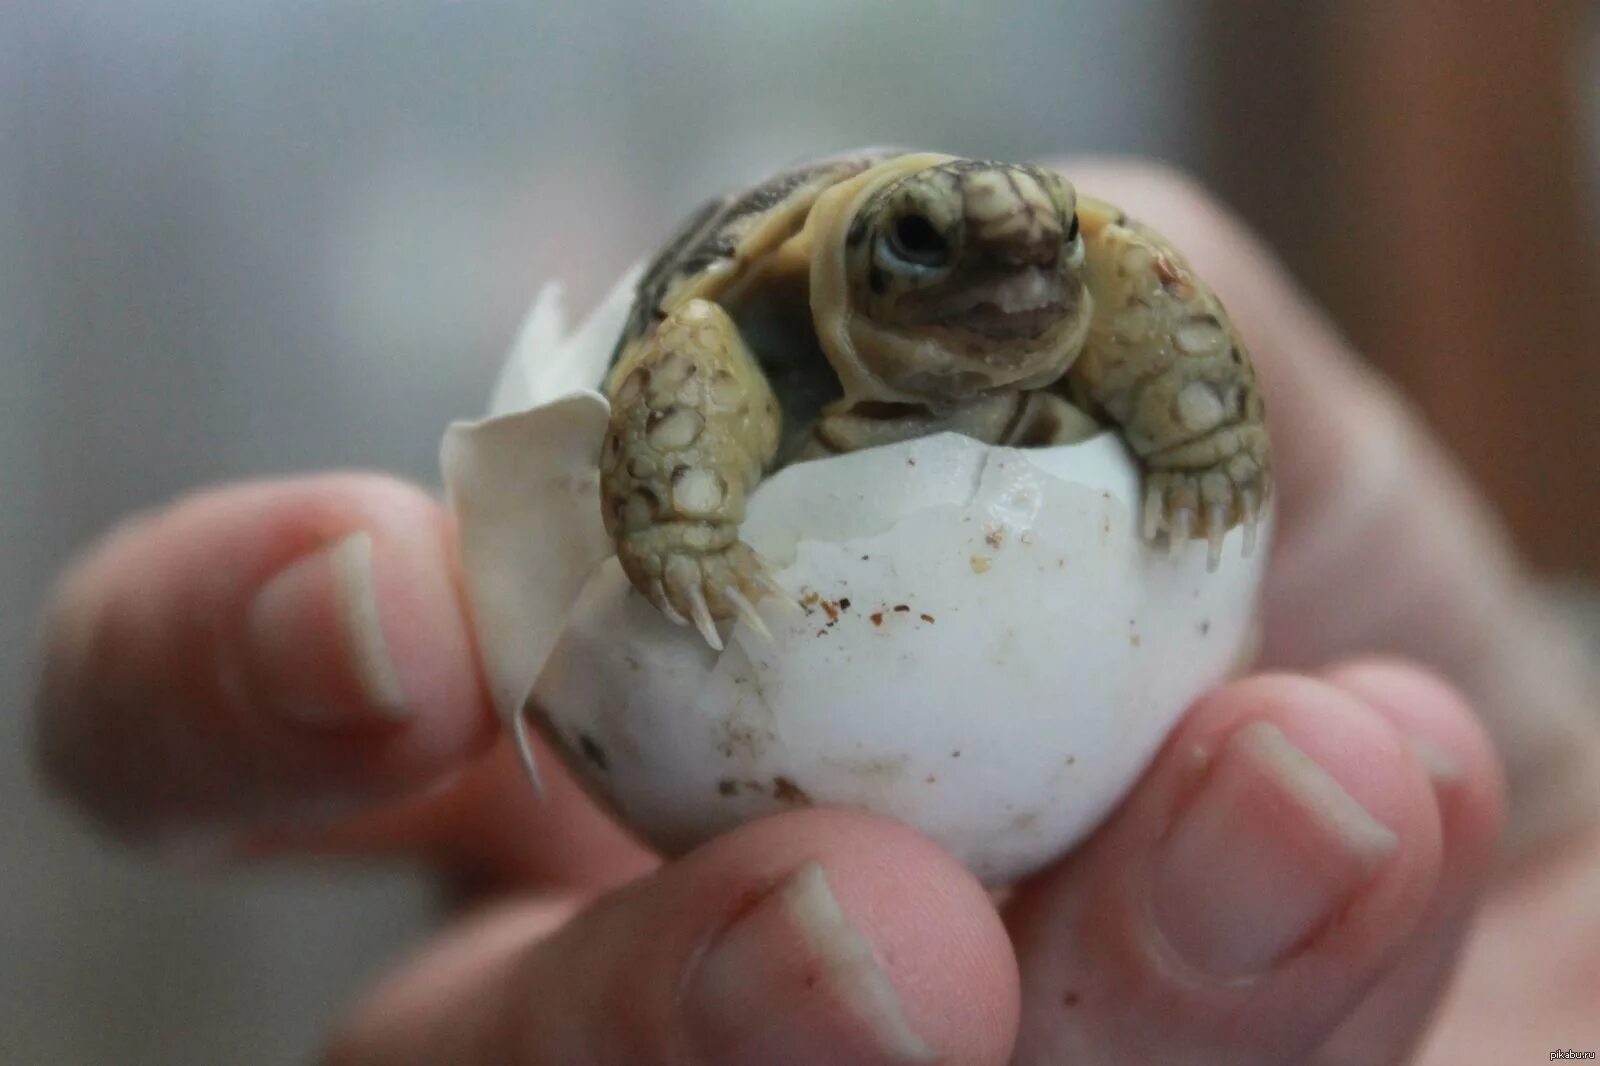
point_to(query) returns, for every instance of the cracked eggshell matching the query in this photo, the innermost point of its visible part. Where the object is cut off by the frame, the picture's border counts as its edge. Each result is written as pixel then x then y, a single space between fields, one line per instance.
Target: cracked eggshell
pixel 984 648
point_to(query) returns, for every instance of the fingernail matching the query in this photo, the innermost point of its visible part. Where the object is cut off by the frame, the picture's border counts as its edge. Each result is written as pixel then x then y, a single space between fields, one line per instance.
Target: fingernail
pixel 793 981
pixel 1442 768
pixel 316 645
pixel 1269 850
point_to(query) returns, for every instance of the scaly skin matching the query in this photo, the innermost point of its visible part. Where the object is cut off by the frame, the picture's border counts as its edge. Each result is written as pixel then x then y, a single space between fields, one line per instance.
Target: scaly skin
pixel 693 427
pixel 1163 362
pixel 948 295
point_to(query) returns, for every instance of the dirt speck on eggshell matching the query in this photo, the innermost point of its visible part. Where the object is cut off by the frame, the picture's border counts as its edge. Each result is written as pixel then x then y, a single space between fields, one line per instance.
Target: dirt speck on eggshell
pixel 1024 822
pixel 784 790
pixel 593 752
pixel 741 738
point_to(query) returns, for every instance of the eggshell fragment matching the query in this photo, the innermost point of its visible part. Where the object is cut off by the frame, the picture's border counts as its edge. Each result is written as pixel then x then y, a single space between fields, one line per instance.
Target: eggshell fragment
pixel 980 643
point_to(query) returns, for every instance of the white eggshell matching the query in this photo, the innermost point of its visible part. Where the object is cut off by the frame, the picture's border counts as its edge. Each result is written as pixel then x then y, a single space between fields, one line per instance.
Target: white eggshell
pixel 986 650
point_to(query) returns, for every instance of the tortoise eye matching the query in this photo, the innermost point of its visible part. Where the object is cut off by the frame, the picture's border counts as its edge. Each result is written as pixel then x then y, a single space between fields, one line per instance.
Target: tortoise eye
pixel 1072 230
pixel 914 240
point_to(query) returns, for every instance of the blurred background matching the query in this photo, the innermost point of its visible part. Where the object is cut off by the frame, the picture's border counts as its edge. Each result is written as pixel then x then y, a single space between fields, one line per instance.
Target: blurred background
pixel 252 237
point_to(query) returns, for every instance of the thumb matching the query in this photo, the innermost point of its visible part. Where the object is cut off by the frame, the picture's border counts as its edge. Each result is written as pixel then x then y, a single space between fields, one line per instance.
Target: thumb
pixel 808 938
pixel 1278 861
pixel 1381 544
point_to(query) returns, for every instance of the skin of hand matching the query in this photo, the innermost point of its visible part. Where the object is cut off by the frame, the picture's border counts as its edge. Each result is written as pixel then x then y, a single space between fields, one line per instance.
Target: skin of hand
pixel 287 667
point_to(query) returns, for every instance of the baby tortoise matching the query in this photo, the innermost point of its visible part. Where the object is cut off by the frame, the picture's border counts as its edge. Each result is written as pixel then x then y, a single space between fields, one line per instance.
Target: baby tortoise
pixel 870 299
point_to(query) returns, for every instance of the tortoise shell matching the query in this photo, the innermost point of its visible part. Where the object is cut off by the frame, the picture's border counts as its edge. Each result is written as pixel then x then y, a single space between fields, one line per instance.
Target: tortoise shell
pixel 745 250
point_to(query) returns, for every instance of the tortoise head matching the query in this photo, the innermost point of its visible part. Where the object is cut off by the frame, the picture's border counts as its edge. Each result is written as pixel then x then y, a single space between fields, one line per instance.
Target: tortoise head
pixel 969 277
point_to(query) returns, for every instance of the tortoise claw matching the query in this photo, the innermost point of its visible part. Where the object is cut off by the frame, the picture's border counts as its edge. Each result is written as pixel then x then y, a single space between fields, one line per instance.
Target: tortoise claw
pixel 1216 529
pixel 1152 515
pixel 1178 531
pixel 1250 506
pixel 658 596
pixel 1188 504
pixel 699 588
pixel 702 616
pixel 746 612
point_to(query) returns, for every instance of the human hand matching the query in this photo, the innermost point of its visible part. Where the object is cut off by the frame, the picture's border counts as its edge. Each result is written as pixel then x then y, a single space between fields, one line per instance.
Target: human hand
pixel 287 666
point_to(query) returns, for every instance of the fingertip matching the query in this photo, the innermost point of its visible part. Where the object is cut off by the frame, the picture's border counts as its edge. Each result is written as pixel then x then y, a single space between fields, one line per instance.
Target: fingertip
pixel 1463 768
pixel 278 650
pixel 932 927
pixel 1450 743
pixel 1276 858
pixel 355 652
pixel 421 647
pixel 816 936
pixel 1354 777
pixel 1338 729
pixel 315 647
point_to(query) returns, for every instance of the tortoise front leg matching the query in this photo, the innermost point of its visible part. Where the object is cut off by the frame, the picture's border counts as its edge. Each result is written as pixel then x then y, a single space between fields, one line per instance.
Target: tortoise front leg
pixel 694 424
pixel 1164 363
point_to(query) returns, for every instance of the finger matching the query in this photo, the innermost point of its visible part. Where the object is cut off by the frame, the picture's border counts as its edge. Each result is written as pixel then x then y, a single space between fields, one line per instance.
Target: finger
pixel 488 829
pixel 1271 867
pixel 1378 528
pixel 1466 779
pixel 288 650
pixel 817 937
